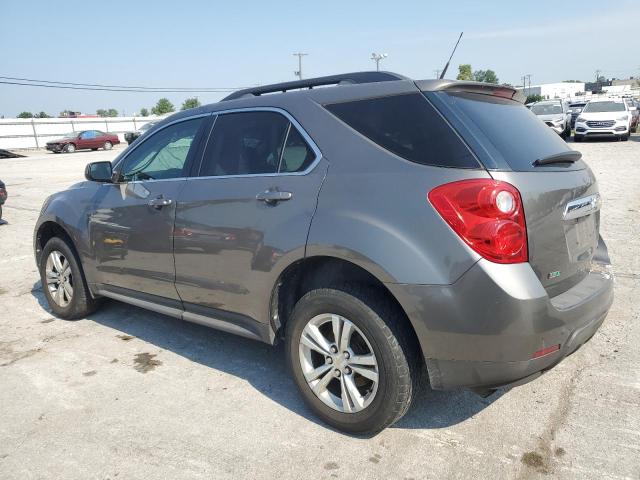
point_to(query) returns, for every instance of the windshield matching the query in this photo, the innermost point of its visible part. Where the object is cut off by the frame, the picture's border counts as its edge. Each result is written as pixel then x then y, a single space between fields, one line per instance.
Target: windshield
pixel 70 135
pixel 547 109
pixel 146 126
pixel 604 107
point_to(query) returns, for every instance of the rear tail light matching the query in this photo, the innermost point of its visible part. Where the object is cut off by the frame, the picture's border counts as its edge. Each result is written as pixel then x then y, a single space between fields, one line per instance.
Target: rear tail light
pixel 487 214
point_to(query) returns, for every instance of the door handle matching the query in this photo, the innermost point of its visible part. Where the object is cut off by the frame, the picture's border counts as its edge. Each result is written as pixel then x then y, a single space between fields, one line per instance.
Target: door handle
pixel 273 196
pixel 160 202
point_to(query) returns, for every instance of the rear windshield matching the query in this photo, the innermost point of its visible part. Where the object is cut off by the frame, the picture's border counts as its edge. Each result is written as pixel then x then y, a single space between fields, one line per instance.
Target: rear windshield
pixel 511 133
pixel 546 109
pixel 604 107
pixel 408 126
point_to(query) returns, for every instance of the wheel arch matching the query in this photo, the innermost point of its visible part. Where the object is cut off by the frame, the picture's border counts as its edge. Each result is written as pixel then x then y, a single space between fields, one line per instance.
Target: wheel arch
pixel 323 271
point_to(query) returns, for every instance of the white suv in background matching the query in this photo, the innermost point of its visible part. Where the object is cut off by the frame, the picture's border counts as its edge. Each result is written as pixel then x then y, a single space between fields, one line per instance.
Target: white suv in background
pixel 556 114
pixel 604 117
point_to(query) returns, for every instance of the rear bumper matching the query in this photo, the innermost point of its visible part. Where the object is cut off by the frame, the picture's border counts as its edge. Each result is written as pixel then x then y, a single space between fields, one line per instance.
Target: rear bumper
pixel 483 330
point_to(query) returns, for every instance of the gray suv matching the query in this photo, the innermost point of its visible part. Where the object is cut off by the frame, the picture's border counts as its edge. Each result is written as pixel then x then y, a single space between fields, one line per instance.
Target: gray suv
pixel 381 227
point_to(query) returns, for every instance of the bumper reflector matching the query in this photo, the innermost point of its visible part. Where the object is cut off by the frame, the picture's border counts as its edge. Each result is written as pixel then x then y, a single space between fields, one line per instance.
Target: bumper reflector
pixel 546 351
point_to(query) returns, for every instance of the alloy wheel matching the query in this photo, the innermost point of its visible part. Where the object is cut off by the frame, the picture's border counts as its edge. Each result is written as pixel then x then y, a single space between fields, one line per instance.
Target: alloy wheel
pixel 59 278
pixel 338 363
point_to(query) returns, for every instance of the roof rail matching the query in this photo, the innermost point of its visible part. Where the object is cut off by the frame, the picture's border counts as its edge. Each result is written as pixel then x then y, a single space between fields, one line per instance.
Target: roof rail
pixel 344 78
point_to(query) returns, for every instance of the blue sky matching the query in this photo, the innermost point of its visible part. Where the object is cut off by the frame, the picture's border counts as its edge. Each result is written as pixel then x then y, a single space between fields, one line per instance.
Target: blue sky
pixel 193 43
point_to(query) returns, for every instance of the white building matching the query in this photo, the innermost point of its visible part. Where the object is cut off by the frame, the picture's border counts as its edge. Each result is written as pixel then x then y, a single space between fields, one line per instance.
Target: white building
pixel 555 90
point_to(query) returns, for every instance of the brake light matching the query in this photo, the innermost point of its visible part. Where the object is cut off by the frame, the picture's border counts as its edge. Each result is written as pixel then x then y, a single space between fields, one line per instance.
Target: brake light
pixel 487 214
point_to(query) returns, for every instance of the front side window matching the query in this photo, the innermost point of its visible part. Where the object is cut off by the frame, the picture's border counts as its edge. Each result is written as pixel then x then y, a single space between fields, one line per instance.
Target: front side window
pixel 88 135
pixel 408 126
pixel 245 143
pixel 164 154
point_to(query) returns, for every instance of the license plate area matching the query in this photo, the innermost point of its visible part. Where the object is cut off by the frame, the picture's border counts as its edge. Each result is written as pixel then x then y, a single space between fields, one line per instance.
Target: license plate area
pixel 581 237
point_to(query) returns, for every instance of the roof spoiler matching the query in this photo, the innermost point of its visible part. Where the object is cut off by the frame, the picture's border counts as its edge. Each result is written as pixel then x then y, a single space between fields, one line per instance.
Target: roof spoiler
pixel 342 79
pixel 503 91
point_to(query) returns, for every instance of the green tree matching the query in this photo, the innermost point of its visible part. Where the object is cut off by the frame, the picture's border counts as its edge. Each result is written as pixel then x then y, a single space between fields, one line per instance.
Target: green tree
pixel 144 112
pixel 486 76
pixel 25 115
pixel 163 107
pixel 464 72
pixel 112 112
pixel 192 102
pixel 534 98
pixel 42 115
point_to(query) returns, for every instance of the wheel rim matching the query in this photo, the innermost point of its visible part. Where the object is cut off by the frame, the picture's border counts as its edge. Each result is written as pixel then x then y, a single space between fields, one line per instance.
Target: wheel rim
pixel 71 148
pixel 107 146
pixel 338 363
pixel 59 278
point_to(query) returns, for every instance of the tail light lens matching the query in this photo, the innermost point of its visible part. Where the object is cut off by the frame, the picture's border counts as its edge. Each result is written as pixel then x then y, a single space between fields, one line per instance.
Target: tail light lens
pixel 487 214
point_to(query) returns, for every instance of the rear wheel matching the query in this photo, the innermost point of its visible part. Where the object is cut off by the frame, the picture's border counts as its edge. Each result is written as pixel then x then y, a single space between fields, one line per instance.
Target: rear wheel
pixel 108 145
pixel 63 281
pixel 69 148
pixel 625 137
pixel 352 359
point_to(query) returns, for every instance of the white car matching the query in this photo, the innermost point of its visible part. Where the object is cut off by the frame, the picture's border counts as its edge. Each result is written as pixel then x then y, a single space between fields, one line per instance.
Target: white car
pixel 556 114
pixel 604 117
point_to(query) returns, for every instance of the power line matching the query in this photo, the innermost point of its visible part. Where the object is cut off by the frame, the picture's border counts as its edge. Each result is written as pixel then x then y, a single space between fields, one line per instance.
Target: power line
pixel 106 89
pixel 120 87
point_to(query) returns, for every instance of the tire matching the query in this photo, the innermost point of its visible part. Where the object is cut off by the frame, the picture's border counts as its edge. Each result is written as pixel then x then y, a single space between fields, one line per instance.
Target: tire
pixel 0 212
pixel 624 138
pixel 94 149
pixel 376 329
pixel 69 148
pixel 567 133
pixel 79 302
pixel 108 145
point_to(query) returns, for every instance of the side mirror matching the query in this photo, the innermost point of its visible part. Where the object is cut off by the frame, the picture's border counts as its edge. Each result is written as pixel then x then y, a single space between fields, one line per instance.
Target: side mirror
pixel 98 172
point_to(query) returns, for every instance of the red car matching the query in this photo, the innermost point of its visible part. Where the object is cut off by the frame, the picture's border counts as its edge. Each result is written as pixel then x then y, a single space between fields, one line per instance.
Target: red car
pixel 87 139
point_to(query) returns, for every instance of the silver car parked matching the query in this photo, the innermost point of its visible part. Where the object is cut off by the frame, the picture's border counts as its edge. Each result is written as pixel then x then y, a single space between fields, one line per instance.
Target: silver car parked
pixel 556 114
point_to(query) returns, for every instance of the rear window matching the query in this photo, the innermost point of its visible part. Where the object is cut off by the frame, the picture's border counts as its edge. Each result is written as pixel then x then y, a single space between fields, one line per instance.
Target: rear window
pixel 408 126
pixel 511 133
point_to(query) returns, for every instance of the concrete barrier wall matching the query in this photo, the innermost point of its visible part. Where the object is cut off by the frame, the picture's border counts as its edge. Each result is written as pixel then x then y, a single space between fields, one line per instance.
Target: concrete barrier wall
pixel 17 133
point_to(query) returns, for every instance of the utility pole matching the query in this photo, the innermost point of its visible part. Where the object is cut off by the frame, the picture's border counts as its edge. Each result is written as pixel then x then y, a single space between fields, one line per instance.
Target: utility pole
pixel 528 75
pixel 598 72
pixel 298 73
pixel 436 74
pixel 376 57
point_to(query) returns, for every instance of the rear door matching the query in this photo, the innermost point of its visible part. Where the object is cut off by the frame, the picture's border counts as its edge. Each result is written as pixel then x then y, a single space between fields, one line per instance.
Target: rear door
pixel 561 200
pixel 246 213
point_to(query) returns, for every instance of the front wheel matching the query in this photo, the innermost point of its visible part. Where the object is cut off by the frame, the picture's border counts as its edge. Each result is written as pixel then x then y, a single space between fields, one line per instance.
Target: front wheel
pixel 70 148
pixel 63 282
pixel 352 358
pixel 108 145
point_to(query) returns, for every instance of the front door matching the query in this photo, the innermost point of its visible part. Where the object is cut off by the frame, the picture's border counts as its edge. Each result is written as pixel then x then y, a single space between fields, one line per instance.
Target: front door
pixel 131 227
pixel 245 215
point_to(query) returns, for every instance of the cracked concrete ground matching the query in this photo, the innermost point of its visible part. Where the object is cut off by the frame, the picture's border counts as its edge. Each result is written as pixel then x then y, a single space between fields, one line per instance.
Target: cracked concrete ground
pixel 132 394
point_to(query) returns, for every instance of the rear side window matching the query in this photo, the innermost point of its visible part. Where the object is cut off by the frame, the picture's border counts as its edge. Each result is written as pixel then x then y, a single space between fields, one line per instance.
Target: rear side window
pixel 511 133
pixel 408 126
pixel 245 143
pixel 297 154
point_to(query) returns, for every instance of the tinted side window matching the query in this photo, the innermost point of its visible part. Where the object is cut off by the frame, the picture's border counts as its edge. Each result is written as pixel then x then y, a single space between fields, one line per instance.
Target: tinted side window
pixel 164 154
pixel 245 143
pixel 408 126
pixel 297 154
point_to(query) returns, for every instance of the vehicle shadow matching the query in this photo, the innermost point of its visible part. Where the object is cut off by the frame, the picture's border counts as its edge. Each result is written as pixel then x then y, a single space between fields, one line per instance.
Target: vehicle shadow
pixel 264 366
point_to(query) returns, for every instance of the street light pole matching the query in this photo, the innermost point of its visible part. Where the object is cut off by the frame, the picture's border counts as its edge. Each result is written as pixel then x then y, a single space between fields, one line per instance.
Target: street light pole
pixel 299 72
pixel 376 57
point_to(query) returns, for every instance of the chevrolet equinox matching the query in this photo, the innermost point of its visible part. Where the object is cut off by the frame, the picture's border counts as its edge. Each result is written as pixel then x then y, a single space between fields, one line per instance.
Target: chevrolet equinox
pixel 381 227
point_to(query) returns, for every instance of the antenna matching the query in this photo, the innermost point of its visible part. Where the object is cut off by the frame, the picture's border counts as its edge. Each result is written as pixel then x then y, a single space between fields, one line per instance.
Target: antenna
pixel 454 51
